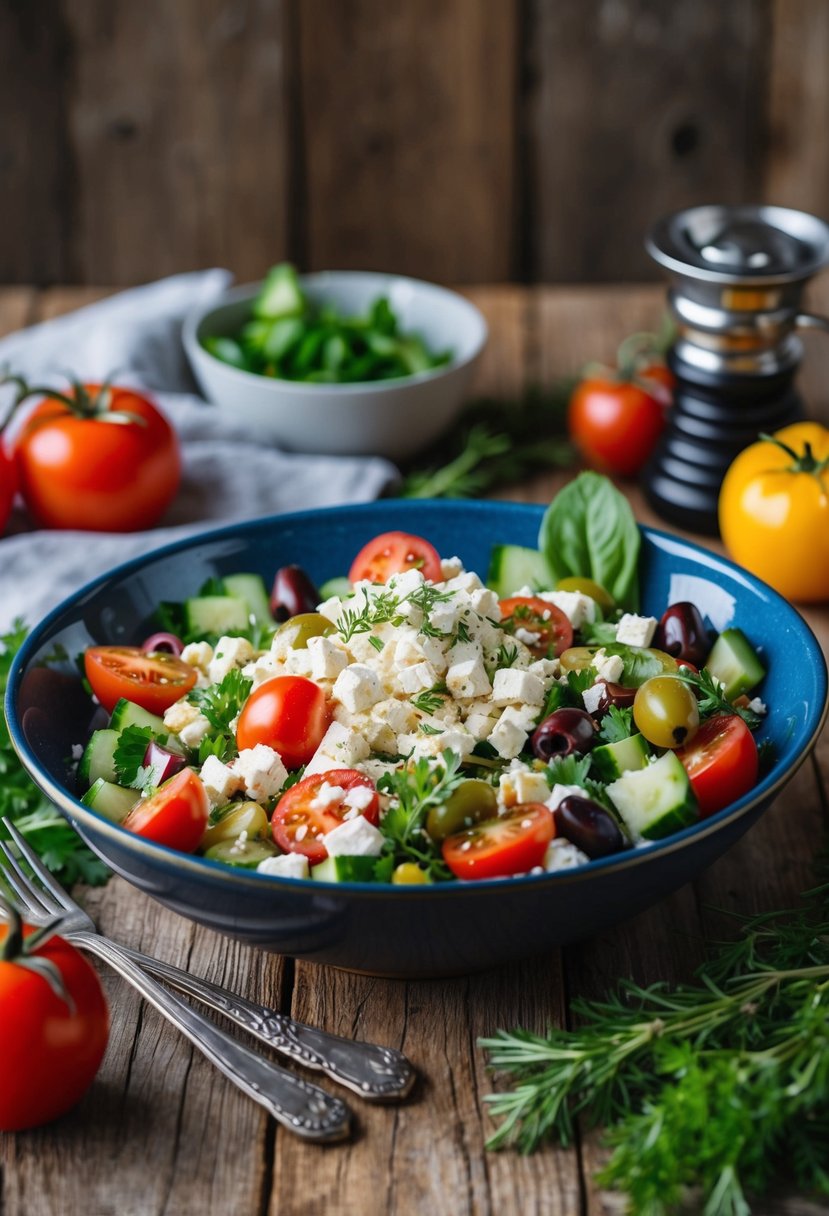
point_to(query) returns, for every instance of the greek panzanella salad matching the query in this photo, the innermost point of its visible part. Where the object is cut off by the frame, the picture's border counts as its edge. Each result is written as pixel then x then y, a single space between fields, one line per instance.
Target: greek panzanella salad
pixel 414 724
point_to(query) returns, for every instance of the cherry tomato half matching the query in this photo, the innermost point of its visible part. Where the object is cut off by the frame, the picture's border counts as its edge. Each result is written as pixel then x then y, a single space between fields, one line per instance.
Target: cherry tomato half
pixel 392 553
pixel 302 818
pixel 615 423
pixel 549 625
pixel 152 680
pixel 51 1046
pixel 176 815
pixel 721 762
pixel 511 844
pixel 289 714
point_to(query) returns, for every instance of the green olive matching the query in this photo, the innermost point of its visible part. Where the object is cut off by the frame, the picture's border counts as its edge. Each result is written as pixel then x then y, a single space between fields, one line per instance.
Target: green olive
pixel 587 587
pixel 247 817
pixel 298 629
pixel 579 657
pixel 408 874
pixel 471 802
pixel 666 711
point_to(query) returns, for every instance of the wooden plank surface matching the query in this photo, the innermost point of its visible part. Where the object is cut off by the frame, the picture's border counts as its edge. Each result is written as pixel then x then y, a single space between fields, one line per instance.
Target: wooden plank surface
pixel 161 1133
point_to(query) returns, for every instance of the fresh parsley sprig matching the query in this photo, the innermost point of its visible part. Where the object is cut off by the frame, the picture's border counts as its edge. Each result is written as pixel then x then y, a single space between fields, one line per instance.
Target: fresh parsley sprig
pixel 221 703
pixel 711 699
pixel 617 724
pixel 413 791
pixel 128 757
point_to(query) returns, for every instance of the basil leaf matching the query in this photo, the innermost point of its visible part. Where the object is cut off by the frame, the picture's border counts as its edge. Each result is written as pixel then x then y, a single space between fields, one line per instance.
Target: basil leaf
pixel 589 530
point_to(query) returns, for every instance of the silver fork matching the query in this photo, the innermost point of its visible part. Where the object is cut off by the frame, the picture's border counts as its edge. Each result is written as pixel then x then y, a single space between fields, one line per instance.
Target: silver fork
pixel 305 1109
pixel 379 1074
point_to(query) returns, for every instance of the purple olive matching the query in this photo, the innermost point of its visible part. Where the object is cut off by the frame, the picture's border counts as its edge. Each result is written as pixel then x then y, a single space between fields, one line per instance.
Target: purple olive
pixel 588 826
pixel 565 731
pixel 681 634
pixel 293 593
pixel 163 643
pixel 165 762
pixel 614 694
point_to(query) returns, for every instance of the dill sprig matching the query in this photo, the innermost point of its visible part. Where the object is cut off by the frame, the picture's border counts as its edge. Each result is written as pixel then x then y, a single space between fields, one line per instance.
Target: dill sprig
pixel 431 700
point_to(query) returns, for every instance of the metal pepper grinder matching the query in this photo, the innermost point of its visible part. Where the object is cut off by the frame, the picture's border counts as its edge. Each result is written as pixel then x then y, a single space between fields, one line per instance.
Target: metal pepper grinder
pixel 737 275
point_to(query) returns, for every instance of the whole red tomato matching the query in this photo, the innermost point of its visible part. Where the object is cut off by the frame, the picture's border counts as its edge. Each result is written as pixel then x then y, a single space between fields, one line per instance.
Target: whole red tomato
pixel 55 1027
pixel 615 423
pixel 8 486
pixel 289 714
pixel 101 459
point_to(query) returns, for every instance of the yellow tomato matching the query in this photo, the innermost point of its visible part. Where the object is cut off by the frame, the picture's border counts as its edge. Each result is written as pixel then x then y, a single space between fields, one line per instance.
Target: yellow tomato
pixel 774 511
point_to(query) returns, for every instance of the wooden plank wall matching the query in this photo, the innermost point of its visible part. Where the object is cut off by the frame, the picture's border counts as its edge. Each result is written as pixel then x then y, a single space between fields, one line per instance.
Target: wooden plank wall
pixel 460 140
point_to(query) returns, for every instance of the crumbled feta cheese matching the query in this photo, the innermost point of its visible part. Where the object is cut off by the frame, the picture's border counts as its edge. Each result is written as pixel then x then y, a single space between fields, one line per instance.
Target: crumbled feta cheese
pixel 758 707
pixel 179 715
pixel 526 636
pixel 330 609
pixel 485 603
pixel 510 732
pixel 199 655
pixel 609 667
pixel 479 725
pixel 467 581
pixel 417 678
pixel 592 697
pixel 229 654
pixel 636 630
pixel 263 668
pixel 358 797
pixel 358 687
pixel 354 838
pixel 219 781
pixel 399 715
pixel 406 583
pixel 262 771
pixel 298 662
pixel 510 686
pixel 289 865
pixel 339 748
pixel 522 785
pixel 450 567
pixel 577 607
pixel 444 615
pixel 562 855
pixel 328 795
pixel 559 792
pixel 192 734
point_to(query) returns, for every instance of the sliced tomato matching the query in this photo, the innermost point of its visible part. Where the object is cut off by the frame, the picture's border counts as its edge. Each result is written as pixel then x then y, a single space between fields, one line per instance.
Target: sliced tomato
pixel 721 762
pixel 550 627
pixel 392 553
pixel 289 714
pixel 154 681
pixel 304 813
pixel 511 844
pixel 176 815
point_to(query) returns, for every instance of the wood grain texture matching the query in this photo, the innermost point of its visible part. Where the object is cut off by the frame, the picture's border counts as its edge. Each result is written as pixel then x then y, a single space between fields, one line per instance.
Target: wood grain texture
pixel 636 108
pixel 177 116
pixel 409 136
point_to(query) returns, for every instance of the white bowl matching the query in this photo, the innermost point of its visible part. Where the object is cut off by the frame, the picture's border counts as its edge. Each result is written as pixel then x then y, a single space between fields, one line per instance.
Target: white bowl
pixel 389 417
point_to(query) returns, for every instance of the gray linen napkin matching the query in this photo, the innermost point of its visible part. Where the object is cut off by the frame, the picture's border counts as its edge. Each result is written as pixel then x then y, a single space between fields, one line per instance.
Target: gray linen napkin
pixel 228 473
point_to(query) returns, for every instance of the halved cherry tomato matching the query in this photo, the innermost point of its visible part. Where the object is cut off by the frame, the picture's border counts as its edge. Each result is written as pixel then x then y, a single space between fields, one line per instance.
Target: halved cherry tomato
pixel 551 628
pixel 721 762
pixel 289 714
pixel 302 818
pixel 176 815
pixel 511 844
pixel 392 553
pixel 154 681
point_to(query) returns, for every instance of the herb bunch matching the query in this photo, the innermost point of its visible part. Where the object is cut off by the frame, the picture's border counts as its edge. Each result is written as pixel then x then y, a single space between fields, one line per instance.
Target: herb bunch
pixel 413 791
pixel 45 829
pixel 718 1085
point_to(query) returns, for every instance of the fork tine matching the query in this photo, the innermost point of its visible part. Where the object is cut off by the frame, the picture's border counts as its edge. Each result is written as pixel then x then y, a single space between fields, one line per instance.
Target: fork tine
pixel 59 901
pixel 20 885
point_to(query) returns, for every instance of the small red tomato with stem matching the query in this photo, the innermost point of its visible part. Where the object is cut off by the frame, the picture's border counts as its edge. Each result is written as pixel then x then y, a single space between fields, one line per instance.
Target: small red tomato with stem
pixel 97 458
pixel 289 714
pixel 55 1024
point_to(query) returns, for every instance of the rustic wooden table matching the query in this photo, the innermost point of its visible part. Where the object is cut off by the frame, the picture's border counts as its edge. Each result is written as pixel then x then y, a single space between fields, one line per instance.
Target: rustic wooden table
pixel 162 1132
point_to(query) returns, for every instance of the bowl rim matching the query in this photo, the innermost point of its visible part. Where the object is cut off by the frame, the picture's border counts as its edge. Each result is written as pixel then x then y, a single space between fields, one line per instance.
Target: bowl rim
pixel 201 868
pixel 359 388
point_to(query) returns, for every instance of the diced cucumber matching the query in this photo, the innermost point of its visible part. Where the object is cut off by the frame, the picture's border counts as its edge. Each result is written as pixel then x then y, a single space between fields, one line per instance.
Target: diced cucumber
pixel 98 759
pixel 280 295
pixel 627 755
pixel 245 854
pixel 345 869
pixel 734 662
pixel 127 713
pixel 216 614
pixel 251 588
pixel 339 586
pixel 513 566
pixel 113 801
pixel 656 800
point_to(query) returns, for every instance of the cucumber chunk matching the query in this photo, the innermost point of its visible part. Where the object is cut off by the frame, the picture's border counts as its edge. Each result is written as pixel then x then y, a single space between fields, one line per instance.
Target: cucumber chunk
pixel 345 869
pixel 98 759
pixel 216 614
pixel 734 662
pixel 113 801
pixel 656 800
pixel 514 566
pixel 127 713
pixel 245 855
pixel 251 588
pixel 627 755
pixel 339 586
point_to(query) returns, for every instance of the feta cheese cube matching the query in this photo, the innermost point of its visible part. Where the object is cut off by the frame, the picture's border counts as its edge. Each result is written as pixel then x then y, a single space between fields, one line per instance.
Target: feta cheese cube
pixel 358 687
pixel 510 732
pixel 229 654
pixel 467 581
pixel 577 607
pixel 560 792
pixel 289 865
pixel 416 678
pixel 444 616
pixel 522 785
pixel 330 609
pixel 562 855
pixel 327 658
pixel 636 630
pixel 608 667
pixel 479 725
pixel 298 662
pixel 339 748
pixel 468 678
pixel 399 715
pixel 354 838
pixel 219 781
pixel 592 696
pixel 485 603
pixel 198 654
pixel 265 667
pixel 179 715
pixel 406 583
pixel 510 686
pixel 192 734
pixel 261 771
pixel 450 567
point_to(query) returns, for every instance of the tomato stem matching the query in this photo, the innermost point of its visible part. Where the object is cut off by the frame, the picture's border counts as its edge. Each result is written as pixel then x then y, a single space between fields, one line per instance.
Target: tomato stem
pixel 802 462
pixel 12 947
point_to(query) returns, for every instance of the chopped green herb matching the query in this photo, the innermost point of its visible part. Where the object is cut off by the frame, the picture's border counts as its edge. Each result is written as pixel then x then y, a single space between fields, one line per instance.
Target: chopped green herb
pixel 431 700
pixel 414 790
pixel 617 724
pixel 711 699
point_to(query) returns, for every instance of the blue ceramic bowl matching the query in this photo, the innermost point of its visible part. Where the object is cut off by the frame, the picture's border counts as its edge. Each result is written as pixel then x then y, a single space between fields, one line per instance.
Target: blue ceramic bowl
pixel 403 931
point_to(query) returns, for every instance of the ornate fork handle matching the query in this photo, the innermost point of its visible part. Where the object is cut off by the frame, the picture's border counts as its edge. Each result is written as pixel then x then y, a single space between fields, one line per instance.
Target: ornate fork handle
pixel 303 1108
pixel 379 1074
